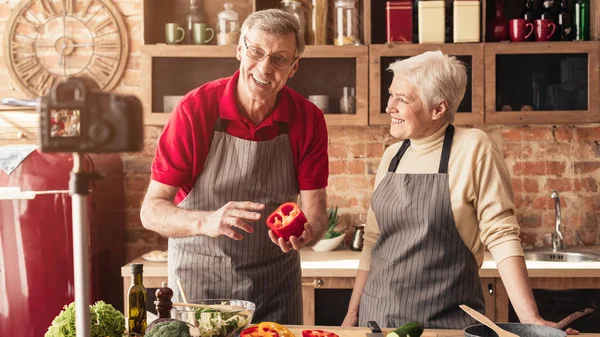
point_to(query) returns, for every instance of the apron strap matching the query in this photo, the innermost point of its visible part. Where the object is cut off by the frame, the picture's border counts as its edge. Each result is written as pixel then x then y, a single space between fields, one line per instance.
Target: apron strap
pixel 221 126
pixel 448 137
pixel 446 149
pixel 396 160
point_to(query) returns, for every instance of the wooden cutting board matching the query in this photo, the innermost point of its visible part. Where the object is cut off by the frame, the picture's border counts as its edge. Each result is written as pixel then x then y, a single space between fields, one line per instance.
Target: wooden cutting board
pixel 361 332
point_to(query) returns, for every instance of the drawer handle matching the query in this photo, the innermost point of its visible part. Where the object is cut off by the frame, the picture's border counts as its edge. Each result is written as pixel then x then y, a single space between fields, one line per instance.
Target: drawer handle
pixel 317 283
pixel 491 289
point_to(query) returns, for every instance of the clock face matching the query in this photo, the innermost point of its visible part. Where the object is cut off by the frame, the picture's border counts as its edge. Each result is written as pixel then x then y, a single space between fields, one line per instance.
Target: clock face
pixel 49 40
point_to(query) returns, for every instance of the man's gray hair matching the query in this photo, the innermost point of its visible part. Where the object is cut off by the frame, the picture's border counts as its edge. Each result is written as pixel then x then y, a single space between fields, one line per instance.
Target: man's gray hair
pixel 436 77
pixel 276 22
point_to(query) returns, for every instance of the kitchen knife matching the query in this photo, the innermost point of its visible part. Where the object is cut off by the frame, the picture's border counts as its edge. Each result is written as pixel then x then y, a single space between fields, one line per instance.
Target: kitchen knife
pixel 375 329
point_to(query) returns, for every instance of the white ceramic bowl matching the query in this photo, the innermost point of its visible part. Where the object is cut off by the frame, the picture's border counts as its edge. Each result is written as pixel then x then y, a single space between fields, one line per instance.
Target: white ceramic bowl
pixel 326 245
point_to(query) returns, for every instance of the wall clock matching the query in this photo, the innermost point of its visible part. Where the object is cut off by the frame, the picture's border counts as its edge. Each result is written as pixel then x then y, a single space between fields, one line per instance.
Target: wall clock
pixel 49 40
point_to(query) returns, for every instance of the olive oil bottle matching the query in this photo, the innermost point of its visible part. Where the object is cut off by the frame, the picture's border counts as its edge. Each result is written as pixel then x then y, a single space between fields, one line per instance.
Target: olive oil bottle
pixel 137 302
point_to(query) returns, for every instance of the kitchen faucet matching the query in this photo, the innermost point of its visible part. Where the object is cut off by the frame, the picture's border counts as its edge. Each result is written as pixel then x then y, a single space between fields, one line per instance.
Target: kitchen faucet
pixel 557 236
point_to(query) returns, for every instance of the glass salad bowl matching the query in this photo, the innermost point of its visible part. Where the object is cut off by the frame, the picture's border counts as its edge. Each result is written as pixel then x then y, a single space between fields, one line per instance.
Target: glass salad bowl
pixel 216 317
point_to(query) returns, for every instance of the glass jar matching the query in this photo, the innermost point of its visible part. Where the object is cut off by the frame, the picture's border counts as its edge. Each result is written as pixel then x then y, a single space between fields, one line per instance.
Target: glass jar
pixel 295 8
pixel 228 26
pixel 194 15
pixel 346 23
pixel 348 101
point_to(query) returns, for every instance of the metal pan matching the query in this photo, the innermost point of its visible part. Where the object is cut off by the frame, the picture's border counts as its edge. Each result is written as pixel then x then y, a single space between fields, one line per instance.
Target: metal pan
pixel 529 330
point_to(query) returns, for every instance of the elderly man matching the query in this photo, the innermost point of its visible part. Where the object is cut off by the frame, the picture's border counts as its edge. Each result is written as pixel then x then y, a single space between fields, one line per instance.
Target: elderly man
pixel 441 196
pixel 232 151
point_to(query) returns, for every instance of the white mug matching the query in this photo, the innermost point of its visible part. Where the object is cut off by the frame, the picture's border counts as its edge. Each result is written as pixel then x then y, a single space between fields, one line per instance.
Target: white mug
pixel 321 101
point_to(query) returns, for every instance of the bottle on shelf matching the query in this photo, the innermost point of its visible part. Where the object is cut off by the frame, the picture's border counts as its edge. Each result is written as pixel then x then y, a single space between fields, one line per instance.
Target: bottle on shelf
pixel 582 20
pixel 497 29
pixel 346 23
pixel 294 7
pixel 528 12
pixel 564 24
pixel 227 26
pixel 194 15
pixel 348 101
pixel 547 10
pixel 137 302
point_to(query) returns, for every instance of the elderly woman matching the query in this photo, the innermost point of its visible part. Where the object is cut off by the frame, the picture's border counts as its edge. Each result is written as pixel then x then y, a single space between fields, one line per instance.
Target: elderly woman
pixel 441 196
pixel 233 150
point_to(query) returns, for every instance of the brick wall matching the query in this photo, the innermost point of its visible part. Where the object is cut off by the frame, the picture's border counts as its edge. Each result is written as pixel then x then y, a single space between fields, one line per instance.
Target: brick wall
pixel 540 158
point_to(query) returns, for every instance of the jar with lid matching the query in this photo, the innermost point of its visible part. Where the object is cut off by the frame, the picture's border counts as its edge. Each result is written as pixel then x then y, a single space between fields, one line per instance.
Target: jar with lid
pixel 346 23
pixel 294 7
pixel 194 15
pixel 228 26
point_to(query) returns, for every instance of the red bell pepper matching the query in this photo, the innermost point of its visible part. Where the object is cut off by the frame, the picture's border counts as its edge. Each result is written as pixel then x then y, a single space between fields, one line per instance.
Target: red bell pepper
pixel 318 333
pixel 287 220
pixel 251 331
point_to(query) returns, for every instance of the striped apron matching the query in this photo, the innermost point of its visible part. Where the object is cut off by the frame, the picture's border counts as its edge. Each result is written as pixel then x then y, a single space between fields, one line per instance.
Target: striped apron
pixel 253 269
pixel 421 270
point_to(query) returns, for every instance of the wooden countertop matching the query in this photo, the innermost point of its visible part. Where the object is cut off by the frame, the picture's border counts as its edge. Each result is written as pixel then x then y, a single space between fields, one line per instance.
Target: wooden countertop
pixel 360 332
pixel 344 263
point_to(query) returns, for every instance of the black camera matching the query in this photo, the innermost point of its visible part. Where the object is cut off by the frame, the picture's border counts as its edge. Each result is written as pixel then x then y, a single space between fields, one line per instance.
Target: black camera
pixel 76 116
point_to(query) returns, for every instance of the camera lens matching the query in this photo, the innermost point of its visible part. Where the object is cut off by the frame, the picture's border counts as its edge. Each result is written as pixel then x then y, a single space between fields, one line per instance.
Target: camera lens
pixel 99 133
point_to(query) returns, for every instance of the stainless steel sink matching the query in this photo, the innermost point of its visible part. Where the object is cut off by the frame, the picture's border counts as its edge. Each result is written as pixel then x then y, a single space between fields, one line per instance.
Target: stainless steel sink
pixel 566 255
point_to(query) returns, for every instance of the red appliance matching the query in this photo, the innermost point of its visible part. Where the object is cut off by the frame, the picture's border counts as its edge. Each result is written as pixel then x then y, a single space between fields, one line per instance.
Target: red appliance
pixel 36 248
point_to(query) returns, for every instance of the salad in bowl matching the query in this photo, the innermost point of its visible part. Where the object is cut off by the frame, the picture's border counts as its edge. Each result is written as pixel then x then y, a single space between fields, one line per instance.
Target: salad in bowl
pixel 216 317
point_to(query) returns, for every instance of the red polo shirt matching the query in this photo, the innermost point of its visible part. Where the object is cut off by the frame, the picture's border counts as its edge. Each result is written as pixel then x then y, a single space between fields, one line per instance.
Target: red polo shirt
pixel 185 141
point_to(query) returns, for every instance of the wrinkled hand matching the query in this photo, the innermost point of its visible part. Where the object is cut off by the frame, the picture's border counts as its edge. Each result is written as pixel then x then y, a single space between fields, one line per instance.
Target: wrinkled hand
pixel 541 321
pixel 233 214
pixel 294 243
pixel 350 320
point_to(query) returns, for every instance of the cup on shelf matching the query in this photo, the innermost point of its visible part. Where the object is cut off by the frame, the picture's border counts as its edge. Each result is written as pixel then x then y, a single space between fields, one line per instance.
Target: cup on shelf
pixel 174 33
pixel 321 101
pixel 520 30
pixel 202 33
pixel 544 29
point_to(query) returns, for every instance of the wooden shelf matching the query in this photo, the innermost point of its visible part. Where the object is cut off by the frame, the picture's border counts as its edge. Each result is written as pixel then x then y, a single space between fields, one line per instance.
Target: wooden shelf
pixel 474 50
pixel 204 63
pixel 590 48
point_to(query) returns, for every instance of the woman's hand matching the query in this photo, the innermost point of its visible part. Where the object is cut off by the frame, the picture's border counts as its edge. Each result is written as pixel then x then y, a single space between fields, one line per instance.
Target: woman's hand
pixel 540 321
pixel 350 320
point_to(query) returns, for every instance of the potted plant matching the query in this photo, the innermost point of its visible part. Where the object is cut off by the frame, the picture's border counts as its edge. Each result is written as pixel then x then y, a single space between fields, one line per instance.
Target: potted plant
pixel 332 238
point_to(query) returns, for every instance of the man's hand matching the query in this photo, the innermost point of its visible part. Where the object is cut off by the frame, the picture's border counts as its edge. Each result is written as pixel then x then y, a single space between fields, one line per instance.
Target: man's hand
pixel 233 214
pixel 294 243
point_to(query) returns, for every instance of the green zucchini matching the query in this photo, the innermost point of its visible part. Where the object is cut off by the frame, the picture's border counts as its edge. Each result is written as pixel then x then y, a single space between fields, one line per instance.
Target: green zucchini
pixel 410 329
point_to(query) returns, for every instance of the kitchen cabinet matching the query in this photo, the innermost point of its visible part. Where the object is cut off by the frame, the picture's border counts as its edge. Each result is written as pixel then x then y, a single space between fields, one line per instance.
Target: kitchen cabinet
pixel 381 55
pixel 311 286
pixel 173 70
pixel 542 82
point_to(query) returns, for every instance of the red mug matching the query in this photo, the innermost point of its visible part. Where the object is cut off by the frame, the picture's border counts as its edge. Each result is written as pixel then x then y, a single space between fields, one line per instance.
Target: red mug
pixel 541 29
pixel 520 30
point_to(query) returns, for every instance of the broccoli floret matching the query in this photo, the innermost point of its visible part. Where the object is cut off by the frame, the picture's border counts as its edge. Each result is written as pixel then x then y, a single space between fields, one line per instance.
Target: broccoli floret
pixel 169 328
pixel 105 321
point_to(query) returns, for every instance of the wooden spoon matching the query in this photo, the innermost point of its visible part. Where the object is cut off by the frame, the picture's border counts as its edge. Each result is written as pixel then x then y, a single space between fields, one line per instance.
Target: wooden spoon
pixel 486 321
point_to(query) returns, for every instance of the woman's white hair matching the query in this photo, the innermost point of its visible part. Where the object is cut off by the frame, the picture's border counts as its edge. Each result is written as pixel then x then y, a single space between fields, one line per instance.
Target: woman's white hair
pixel 277 22
pixel 436 77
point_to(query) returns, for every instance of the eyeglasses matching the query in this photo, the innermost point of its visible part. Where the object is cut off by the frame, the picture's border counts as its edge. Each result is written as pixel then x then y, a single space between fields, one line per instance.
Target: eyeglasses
pixel 276 60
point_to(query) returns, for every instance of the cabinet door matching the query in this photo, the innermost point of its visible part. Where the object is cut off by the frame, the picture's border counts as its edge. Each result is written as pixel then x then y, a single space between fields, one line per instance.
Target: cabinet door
pixel 488 285
pixel 542 82
pixel 310 288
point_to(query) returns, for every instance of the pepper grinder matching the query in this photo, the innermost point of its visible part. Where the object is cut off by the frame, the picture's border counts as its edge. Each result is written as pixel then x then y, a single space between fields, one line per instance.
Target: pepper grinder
pixel 163 302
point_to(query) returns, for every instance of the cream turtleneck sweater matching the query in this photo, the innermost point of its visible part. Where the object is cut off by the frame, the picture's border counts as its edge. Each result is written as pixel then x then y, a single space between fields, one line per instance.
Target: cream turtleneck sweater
pixel 480 191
